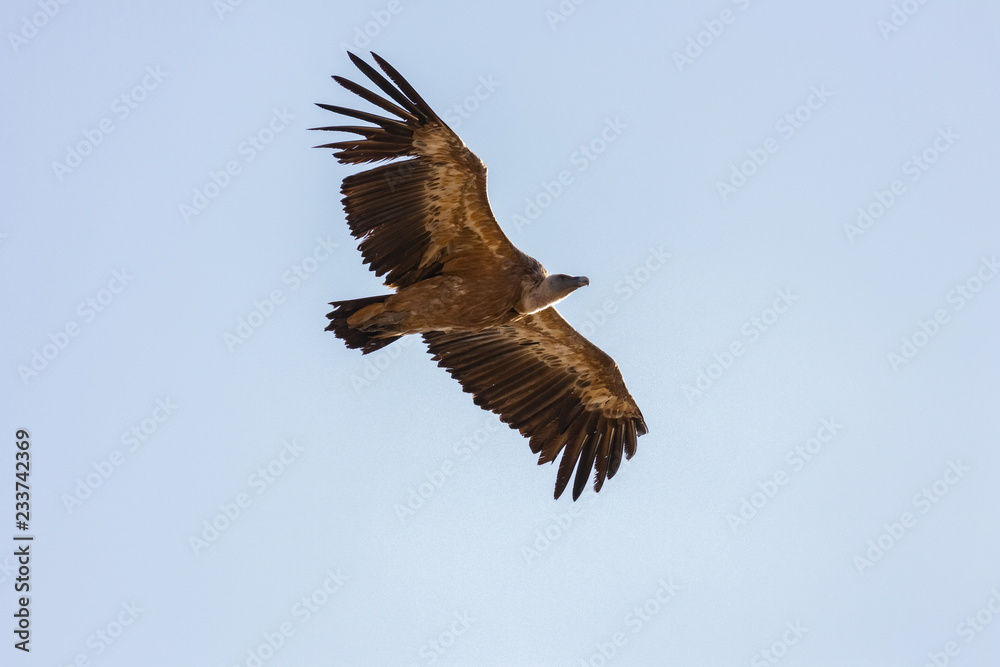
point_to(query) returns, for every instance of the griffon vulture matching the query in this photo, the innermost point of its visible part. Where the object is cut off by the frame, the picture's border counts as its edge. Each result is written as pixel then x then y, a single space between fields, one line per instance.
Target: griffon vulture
pixel 485 309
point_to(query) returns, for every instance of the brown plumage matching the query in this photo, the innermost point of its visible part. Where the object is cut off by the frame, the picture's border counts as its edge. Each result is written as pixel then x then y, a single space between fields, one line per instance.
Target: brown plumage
pixel 484 307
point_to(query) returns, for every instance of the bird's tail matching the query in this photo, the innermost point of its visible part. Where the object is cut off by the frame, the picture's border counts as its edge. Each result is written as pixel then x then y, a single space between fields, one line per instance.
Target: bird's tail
pixel 369 338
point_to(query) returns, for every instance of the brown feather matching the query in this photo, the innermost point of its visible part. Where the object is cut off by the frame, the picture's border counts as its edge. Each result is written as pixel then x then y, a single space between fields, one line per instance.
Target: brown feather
pixel 572 452
pixel 586 462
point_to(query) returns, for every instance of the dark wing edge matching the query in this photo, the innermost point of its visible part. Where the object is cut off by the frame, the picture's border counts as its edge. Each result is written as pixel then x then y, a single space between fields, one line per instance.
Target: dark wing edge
pixel 554 386
pixel 389 137
pixel 406 213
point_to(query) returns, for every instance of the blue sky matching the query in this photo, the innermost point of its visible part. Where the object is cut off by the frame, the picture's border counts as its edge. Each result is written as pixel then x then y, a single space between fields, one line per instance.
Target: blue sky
pixel 787 215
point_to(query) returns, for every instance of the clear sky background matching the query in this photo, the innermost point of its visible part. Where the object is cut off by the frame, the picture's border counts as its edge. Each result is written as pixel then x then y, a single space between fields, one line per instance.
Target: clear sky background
pixel 787 212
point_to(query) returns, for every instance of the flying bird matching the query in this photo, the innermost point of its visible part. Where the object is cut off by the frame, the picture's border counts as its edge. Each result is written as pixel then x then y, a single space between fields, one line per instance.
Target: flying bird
pixel 485 309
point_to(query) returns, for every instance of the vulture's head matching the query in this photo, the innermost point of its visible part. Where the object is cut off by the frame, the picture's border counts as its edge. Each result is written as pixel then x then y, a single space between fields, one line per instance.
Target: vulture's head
pixel 551 290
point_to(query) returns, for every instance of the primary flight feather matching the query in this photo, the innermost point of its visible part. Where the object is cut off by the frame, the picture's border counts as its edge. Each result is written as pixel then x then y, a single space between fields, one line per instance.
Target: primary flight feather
pixel 485 309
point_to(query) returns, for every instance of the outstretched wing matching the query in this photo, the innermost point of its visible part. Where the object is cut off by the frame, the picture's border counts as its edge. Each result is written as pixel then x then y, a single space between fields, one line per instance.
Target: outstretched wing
pixel 557 388
pixel 425 215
